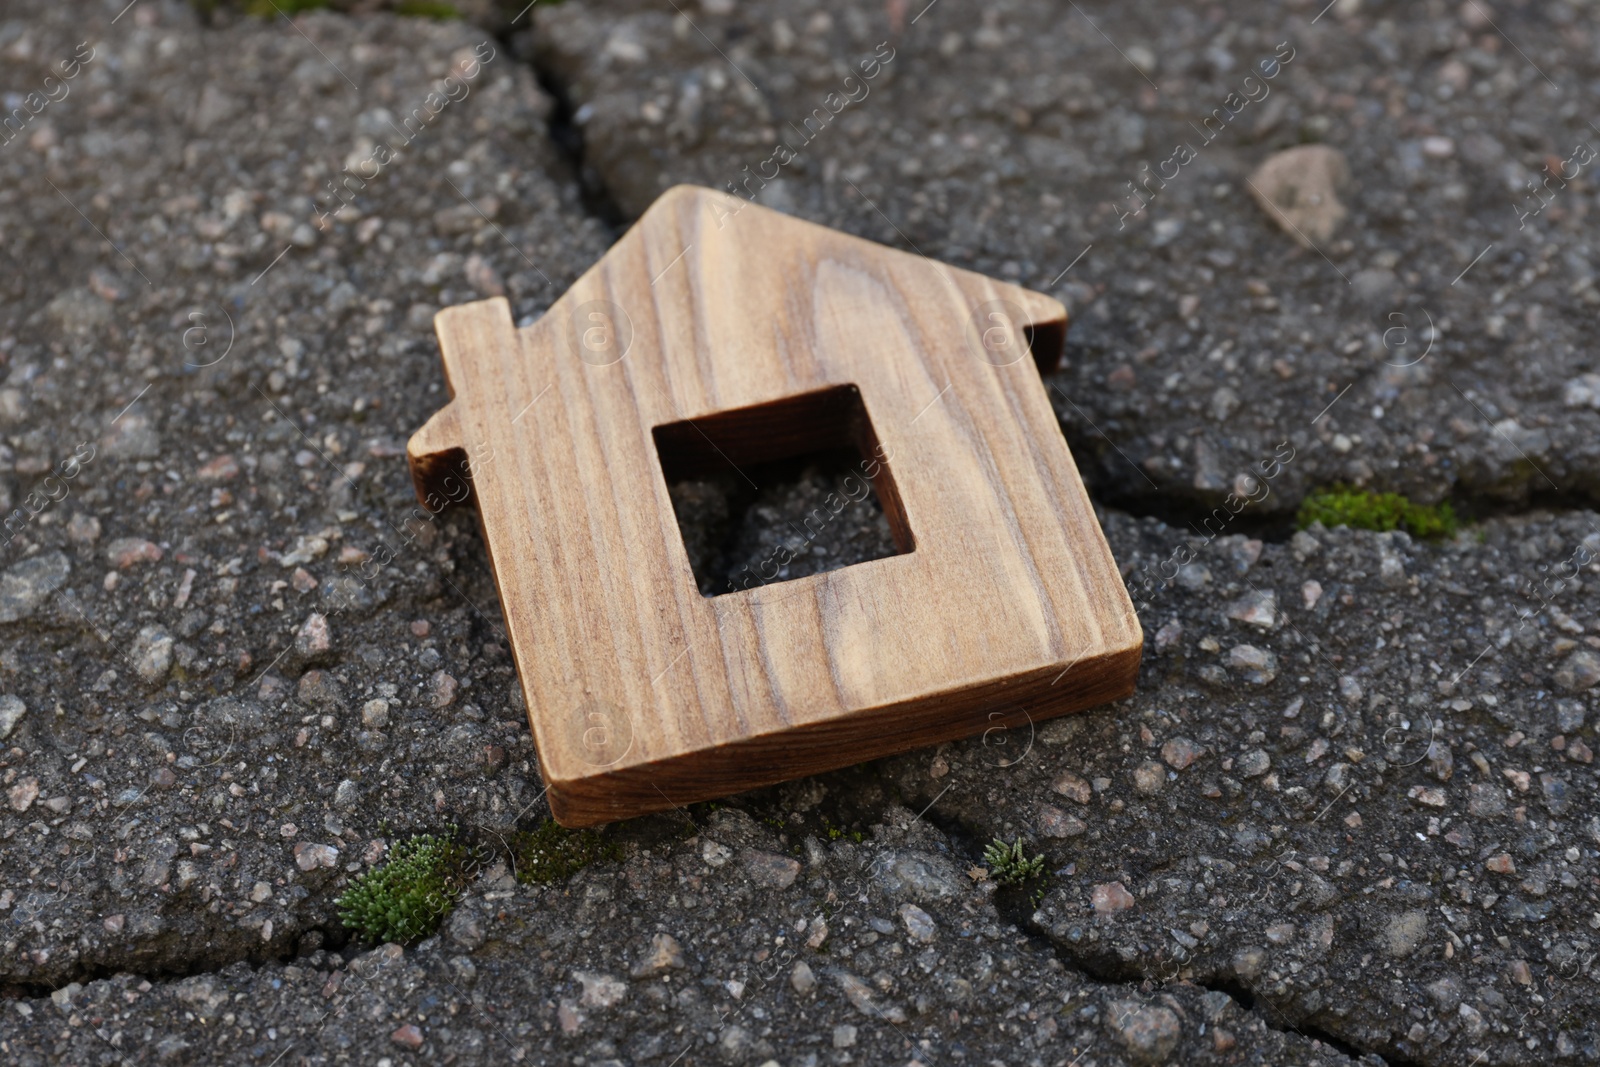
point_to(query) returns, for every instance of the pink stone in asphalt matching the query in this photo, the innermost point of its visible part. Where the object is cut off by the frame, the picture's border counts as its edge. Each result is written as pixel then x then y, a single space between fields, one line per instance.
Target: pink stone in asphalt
pixel 308 856
pixel 1053 822
pixel 124 552
pixel 314 638
pixel 1180 752
pixel 408 1035
pixel 443 689
pixel 1111 897
pixel 1070 785
pixel 220 469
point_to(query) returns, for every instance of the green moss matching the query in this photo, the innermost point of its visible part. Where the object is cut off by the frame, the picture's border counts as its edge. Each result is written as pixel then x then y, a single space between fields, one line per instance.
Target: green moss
pixel 268 9
pixel 552 853
pixel 1010 865
pixel 838 833
pixel 1341 505
pixel 426 9
pixel 409 895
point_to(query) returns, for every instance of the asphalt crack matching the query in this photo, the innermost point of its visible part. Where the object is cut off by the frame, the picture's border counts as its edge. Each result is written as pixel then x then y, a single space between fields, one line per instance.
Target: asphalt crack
pixel 1015 907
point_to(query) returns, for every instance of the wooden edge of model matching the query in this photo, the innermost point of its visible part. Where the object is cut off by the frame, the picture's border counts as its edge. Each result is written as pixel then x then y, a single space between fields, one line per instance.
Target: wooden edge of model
pixel 753 762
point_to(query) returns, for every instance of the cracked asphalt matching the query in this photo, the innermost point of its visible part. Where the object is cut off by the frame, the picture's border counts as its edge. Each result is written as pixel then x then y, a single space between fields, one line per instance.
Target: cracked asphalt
pixel 1349 814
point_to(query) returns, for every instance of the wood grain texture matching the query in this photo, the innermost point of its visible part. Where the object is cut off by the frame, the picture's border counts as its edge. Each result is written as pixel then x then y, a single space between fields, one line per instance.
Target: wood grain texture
pixel 643 694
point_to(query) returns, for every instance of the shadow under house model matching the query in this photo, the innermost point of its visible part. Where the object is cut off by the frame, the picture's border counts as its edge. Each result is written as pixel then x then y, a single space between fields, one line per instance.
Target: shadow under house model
pixel 714 336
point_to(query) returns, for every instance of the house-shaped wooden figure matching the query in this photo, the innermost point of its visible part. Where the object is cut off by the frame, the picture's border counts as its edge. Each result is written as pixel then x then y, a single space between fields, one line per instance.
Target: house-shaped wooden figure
pixel 719 332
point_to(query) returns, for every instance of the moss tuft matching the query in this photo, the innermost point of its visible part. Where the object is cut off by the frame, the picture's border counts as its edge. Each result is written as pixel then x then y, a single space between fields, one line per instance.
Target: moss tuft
pixel 1010 865
pixel 837 833
pixel 1341 505
pixel 409 895
pixel 269 9
pixel 426 9
pixel 552 853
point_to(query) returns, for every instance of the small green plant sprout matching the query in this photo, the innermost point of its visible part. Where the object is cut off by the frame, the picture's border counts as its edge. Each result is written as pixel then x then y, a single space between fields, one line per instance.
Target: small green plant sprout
pixel 1009 864
pixel 838 833
pixel 552 853
pixel 407 897
pixel 1342 505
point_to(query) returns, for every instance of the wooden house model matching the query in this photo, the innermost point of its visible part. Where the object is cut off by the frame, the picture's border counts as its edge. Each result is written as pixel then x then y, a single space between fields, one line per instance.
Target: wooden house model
pixel 716 332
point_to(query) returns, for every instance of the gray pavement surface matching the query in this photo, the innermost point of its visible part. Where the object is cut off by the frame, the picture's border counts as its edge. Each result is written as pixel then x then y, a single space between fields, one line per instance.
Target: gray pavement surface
pixel 1016 137
pixel 1350 813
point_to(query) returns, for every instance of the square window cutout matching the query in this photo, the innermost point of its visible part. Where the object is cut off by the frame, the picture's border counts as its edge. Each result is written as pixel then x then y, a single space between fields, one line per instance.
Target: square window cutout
pixel 781 490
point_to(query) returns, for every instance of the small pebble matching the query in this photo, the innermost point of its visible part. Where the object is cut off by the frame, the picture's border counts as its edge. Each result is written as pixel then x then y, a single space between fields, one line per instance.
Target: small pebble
pixel 218 469
pixel 1168 635
pixel 1257 607
pixel 375 714
pixel 12 709
pixel 1109 898
pixel 83 529
pixel 22 795
pixel 442 689
pixel 152 654
pixel 1405 933
pixel 1053 822
pixel 664 954
pixel 314 637
pixel 1149 1033
pixel 1580 671
pixel 919 924
pixel 1298 188
pixel 1432 796
pixel 1280 933
pixel 1149 777
pixel 1180 752
pixel 309 856
pixel 599 990
pixel 1253 764
pixel 770 870
pixel 408 1036
pixel 1258 666
pixel 26 584
pixel 125 552
pixel 1072 787
pixel 319 688
pixel 1350 688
